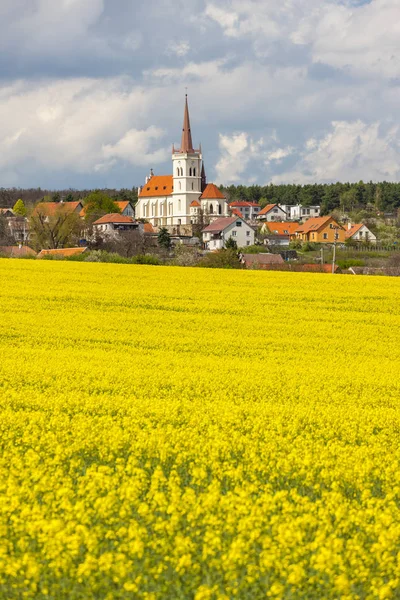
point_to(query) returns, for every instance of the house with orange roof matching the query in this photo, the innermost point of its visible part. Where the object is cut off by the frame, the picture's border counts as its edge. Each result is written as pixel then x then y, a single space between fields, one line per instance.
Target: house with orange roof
pixel 17 251
pixel 168 200
pixel 321 230
pixel 51 209
pixel 360 233
pixel 61 252
pixel 272 212
pixel 112 224
pixel 249 210
pixel 125 206
pixel 279 233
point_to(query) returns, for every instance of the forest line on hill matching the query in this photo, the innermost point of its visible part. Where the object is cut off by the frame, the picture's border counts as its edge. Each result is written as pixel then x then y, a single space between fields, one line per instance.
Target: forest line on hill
pixel 381 196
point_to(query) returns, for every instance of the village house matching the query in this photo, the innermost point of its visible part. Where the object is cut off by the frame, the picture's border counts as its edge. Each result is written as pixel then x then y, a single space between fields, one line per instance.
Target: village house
pixel 51 209
pixel 124 206
pixel 112 224
pixel 272 212
pixel 61 252
pixel 17 251
pixel 261 260
pixel 360 233
pixel 321 230
pixel 6 212
pixel 221 230
pixel 298 212
pixel 247 210
pixel 279 234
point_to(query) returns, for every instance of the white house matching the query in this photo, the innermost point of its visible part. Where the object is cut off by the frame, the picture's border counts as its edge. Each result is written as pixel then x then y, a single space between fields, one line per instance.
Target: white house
pixel 360 233
pixel 167 200
pixel 221 230
pixel 298 212
pixel 112 224
pixel 248 210
pixel 125 207
pixel 272 212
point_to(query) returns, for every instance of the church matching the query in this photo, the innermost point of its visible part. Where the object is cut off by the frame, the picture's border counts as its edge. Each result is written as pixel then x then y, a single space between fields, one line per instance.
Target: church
pixel 183 198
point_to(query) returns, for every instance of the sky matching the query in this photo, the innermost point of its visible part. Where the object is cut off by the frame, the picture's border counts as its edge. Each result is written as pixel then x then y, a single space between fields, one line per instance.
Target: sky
pixel 282 91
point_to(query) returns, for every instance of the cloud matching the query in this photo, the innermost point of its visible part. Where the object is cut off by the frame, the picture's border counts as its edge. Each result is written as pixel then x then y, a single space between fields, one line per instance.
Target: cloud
pixel 135 147
pixel 237 151
pixel 178 48
pixel 279 154
pixel 84 85
pixel 81 125
pixel 362 38
pixel 350 151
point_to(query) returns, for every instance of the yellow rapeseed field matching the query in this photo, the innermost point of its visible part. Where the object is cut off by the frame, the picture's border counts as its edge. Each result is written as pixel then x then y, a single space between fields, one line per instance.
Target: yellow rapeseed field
pixel 176 433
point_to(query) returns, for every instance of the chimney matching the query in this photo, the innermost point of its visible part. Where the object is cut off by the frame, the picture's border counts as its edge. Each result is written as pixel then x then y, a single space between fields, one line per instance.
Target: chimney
pixel 349 225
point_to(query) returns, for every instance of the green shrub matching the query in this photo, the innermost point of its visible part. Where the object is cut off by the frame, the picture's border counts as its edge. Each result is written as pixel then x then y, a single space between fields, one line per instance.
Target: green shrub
pixel 350 262
pixel 222 259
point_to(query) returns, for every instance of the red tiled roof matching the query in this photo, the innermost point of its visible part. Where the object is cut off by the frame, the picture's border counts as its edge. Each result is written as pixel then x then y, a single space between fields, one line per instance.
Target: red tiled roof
pixel 114 218
pixel 282 228
pixel 49 209
pixel 61 252
pixel 148 228
pixel 315 223
pixel 122 204
pixel 158 185
pixel 16 251
pixel 354 228
pixel 242 203
pixel 212 193
pixel 220 224
pixel 195 203
pixel 267 208
pixel 237 212
pixel 262 259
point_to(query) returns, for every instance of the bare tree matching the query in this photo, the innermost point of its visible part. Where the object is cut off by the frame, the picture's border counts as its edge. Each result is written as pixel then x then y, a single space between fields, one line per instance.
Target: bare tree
pixel 55 231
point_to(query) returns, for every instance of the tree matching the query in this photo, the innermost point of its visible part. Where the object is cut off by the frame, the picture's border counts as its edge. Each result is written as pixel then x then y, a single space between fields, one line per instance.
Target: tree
pixel 230 244
pixel 19 208
pixel 202 221
pixel 164 238
pixel 222 259
pixel 98 203
pixel 5 234
pixel 58 230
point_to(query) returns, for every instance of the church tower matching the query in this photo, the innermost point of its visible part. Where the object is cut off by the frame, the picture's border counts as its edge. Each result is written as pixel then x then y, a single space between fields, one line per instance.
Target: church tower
pixel 187 173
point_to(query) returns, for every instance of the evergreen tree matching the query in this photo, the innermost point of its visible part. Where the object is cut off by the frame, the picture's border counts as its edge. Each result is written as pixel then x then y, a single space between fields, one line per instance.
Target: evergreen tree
pixel 230 244
pixel 19 208
pixel 164 238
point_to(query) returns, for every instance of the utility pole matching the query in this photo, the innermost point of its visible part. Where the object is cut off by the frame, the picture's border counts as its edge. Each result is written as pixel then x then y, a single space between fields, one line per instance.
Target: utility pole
pixel 334 249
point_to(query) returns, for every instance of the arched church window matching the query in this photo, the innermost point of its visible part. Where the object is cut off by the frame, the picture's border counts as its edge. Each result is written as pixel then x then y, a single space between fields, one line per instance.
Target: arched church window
pixel 211 209
pixel 192 186
pixel 178 171
pixel 180 185
pixel 219 209
pixel 181 171
pixel 190 171
pixel 194 172
pixel 179 204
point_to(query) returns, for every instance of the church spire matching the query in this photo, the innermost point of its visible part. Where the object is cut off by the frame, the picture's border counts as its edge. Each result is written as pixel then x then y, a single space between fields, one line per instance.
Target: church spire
pixel 203 177
pixel 186 143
